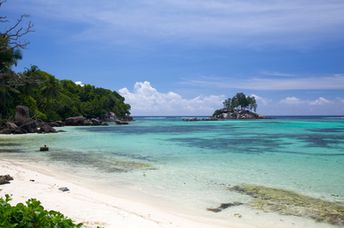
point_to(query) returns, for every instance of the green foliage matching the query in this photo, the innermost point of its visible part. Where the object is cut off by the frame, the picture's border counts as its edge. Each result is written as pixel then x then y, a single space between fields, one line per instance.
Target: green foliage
pixel 51 99
pixel 31 214
pixel 47 97
pixel 240 101
pixel 8 56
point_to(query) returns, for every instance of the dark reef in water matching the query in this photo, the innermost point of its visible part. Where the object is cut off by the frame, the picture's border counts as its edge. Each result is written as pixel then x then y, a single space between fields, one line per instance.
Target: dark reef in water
pixel 224 206
pixel 291 203
pixel 99 161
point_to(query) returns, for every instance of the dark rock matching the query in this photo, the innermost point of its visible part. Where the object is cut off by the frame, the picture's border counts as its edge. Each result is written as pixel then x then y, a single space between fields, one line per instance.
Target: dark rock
pixel 199 119
pixel 30 126
pixel 121 122
pixel 22 114
pixel 32 180
pixel 6 131
pixel 10 128
pixel 75 121
pixel 238 215
pixel 224 206
pixel 224 114
pixel 44 148
pixel 82 121
pixel 96 121
pixel 110 117
pixel 5 179
pixel 64 189
pixel 11 125
pixel 87 122
pixel 129 118
pixel 24 124
pixel 46 128
pixel 58 123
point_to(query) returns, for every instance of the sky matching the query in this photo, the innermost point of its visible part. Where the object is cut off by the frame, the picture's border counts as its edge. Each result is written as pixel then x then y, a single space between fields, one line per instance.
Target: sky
pixel 184 57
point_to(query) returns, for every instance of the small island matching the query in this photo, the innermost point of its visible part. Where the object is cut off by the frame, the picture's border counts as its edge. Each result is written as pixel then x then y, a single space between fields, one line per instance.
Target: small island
pixel 239 106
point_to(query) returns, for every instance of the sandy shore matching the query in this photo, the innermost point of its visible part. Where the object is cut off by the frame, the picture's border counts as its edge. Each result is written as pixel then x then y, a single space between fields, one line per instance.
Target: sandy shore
pixel 89 206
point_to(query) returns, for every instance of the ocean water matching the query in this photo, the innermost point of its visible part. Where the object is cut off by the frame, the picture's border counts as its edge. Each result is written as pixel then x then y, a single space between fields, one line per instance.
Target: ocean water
pixel 192 164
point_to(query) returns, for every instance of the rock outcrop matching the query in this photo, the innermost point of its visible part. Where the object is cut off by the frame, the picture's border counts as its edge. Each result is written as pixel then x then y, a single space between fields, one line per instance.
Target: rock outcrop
pixel 224 114
pixel 122 122
pixel 58 123
pixel 5 179
pixel 45 128
pixel 110 117
pixel 24 124
pixel 82 121
pixel 75 121
pixel 31 126
pixel 22 114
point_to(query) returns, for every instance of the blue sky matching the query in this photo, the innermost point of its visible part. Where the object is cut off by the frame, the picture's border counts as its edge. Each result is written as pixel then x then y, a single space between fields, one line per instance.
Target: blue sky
pixel 174 57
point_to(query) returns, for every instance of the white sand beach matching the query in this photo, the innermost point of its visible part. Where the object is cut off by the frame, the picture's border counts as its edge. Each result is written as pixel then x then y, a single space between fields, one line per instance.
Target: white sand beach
pixel 94 207
pixel 87 206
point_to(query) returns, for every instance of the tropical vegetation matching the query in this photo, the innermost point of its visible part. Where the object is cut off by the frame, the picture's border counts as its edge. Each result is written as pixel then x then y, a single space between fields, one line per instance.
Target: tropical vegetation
pixel 50 99
pixel 47 97
pixel 240 102
pixel 31 214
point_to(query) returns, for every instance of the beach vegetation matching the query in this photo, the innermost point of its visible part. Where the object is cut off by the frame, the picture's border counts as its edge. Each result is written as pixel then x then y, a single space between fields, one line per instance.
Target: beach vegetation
pixel 31 214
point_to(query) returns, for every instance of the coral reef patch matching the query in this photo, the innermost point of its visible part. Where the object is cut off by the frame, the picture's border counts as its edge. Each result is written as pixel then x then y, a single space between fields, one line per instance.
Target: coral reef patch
pixel 287 202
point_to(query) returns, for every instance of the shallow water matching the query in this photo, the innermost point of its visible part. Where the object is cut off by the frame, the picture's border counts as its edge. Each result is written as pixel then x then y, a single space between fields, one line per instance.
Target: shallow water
pixel 194 163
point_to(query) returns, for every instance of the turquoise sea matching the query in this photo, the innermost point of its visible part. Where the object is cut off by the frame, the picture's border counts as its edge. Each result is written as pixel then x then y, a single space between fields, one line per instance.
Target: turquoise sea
pixel 192 164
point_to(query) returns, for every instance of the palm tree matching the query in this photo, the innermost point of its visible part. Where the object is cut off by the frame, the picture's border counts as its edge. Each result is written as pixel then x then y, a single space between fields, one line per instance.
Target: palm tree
pixel 50 90
pixel 8 91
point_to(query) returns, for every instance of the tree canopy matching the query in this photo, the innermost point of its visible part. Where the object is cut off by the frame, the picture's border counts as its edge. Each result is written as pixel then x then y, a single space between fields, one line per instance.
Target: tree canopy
pixel 51 99
pixel 240 101
pixel 47 97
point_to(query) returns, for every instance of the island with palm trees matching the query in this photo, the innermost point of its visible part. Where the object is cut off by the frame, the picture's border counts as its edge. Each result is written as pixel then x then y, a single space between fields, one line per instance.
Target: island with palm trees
pixel 239 106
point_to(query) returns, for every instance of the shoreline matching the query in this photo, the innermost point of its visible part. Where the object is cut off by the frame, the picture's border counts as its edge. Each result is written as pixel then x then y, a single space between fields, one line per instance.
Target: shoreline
pixel 91 207
pixel 94 206
pixel 122 202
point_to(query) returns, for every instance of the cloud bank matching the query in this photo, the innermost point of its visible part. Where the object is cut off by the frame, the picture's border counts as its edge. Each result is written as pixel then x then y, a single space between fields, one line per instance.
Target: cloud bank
pixel 297 82
pixel 147 100
pixel 232 22
pixel 317 102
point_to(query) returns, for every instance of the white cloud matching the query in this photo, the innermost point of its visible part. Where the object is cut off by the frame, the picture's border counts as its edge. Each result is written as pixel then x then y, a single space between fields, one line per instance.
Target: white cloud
pixel 320 101
pixel 232 22
pixel 296 101
pixel 79 83
pixel 146 100
pixel 292 101
pixel 261 100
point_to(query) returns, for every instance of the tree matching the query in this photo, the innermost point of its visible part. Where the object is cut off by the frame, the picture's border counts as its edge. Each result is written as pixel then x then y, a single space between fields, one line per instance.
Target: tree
pixel 252 103
pixel 241 101
pixel 47 97
pixel 227 104
pixel 11 41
